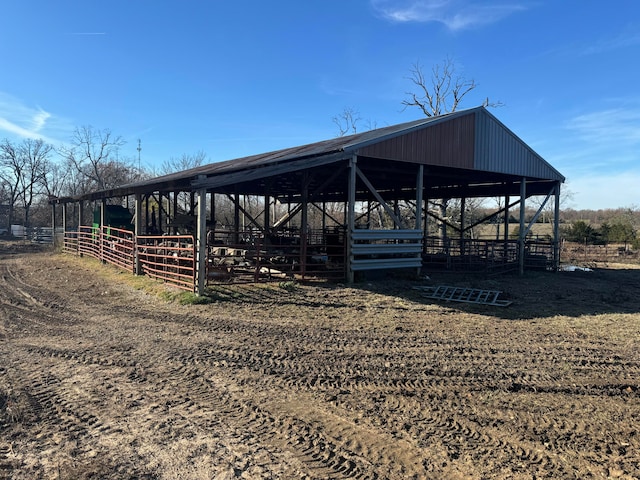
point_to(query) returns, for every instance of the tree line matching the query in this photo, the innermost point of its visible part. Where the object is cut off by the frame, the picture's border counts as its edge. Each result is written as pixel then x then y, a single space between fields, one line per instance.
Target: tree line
pixel 616 230
pixel 33 171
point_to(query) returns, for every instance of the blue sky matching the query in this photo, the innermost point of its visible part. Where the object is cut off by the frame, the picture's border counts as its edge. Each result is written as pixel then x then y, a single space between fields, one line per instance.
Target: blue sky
pixel 235 78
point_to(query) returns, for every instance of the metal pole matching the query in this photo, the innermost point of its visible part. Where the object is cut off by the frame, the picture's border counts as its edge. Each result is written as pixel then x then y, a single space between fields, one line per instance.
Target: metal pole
pixel 304 220
pixel 103 208
pixel 201 241
pixel 137 230
pixel 521 236
pixel 54 224
pixel 556 229
pixel 236 217
pixel 351 201
pixel 419 195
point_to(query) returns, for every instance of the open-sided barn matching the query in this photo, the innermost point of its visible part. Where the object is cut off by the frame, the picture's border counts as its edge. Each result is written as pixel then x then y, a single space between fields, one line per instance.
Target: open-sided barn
pixel 334 208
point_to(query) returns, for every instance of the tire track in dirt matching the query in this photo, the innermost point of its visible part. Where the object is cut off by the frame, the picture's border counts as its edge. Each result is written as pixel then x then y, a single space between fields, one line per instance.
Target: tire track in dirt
pixel 447 430
pixel 70 414
pixel 60 412
pixel 318 450
pixel 21 305
pixel 457 433
pixel 314 449
pixel 234 395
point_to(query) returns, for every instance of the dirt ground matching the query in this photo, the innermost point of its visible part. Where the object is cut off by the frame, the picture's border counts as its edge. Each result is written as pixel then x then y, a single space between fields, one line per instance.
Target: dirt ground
pixel 99 379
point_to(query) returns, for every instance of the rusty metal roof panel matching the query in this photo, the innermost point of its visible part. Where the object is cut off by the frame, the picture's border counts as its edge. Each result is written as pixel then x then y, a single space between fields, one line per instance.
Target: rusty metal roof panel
pixel 347 144
pixel 465 140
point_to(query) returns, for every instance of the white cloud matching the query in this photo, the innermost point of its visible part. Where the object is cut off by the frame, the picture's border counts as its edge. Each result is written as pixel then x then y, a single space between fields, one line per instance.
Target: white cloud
pixel 454 14
pixel 626 39
pixel 39 120
pixel 19 120
pixel 605 190
pixel 617 125
pixel 599 153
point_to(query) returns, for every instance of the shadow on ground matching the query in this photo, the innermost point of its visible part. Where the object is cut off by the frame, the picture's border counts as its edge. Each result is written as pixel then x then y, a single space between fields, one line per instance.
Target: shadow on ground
pixel 604 290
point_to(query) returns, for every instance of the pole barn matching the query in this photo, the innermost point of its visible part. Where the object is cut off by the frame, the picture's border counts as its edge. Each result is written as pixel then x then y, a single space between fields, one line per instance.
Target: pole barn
pixel 337 208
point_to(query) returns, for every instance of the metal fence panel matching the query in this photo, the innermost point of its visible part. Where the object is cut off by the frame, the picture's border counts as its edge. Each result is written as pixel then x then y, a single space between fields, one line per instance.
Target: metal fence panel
pixel 170 258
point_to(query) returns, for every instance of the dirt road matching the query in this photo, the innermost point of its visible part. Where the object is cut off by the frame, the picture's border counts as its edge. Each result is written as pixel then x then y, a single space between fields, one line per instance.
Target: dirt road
pixel 99 380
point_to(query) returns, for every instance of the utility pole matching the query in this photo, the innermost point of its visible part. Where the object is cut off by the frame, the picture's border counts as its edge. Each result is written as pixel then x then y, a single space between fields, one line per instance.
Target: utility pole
pixel 139 149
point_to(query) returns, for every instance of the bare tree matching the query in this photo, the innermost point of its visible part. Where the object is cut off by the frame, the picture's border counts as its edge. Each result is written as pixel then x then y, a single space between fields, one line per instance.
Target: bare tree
pixel 11 167
pixel 347 121
pixel 36 159
pixel 55 178
pixel 179 164
pixel 442 92
pixel 185 162
pixel 94 154
pixel 22 169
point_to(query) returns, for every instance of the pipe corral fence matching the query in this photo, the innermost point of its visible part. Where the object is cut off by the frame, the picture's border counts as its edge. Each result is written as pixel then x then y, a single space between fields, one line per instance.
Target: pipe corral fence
pixel 250 257
pixel 232 256
pixel 170 259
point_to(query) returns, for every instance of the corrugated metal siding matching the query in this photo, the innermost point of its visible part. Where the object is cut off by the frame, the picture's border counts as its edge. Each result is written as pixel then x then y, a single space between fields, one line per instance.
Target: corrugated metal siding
pixel 447 144
pixel 498 149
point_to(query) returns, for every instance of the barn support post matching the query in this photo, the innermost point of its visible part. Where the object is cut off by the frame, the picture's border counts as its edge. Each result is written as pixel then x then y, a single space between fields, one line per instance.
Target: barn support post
pixel 54 222
pixel 212 207
pixel 64 223
pixel 201 242
pixel 103 216
pixel 556 229
pixel 419 196
pixel 397 225
pixel 137 230
pixel 425 233
pixel 304 222
pixel 522 232
pixel 350 213
pixel 175 209
pixel 160 211
pixel 80 214
pixel 236 217
pixel 324 217
pixel 267 213
pixel 505 247
pixel 463 220
pixel 146 214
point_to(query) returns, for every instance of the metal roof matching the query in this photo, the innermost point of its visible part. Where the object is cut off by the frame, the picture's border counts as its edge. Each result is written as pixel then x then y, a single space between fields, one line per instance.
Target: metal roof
pixel 459 150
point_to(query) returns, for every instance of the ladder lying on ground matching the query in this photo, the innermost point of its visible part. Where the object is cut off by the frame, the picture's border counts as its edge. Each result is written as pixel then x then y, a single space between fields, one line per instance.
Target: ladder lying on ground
pixel 466 295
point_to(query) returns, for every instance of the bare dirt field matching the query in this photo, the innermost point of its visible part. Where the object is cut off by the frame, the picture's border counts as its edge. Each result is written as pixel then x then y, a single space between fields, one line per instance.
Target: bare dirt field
pixel 101 379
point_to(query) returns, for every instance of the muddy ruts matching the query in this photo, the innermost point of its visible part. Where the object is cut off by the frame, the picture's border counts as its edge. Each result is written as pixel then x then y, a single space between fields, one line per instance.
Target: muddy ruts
pixel 268 384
